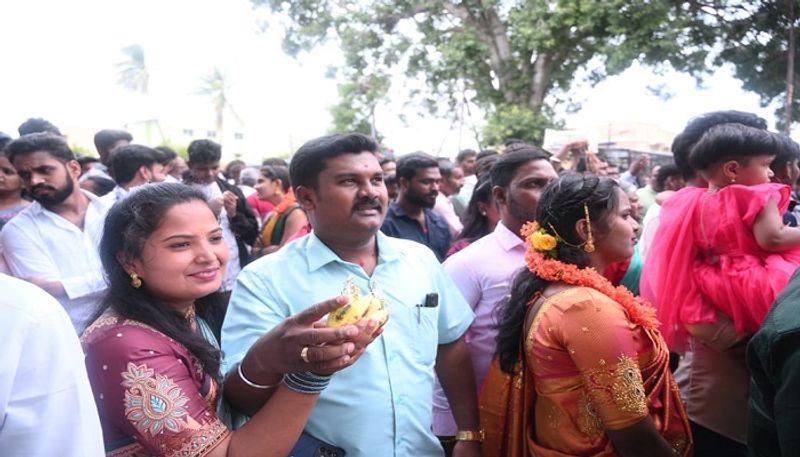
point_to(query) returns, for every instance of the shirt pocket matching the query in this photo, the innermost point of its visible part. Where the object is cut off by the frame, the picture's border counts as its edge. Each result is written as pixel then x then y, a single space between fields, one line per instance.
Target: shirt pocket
pixel 415 325
pixel 426 335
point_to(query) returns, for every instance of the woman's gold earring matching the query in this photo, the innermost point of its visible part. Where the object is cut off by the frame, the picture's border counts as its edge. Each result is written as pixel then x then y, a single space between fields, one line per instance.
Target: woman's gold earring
pixel 136 282
pixel 588 246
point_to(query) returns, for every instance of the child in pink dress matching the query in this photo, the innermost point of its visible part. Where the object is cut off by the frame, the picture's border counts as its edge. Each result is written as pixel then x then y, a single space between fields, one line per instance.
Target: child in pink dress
pixel 729 251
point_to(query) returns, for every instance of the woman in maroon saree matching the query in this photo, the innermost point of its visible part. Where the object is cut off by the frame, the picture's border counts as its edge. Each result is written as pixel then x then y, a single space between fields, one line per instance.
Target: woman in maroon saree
pixel 152 357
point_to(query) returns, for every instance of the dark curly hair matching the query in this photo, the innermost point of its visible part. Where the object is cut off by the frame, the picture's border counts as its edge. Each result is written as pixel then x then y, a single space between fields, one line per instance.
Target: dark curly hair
pixel 560 206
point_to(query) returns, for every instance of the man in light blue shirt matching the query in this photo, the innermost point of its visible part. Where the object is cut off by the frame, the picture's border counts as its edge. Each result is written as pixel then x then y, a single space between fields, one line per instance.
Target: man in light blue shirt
pixel 380 406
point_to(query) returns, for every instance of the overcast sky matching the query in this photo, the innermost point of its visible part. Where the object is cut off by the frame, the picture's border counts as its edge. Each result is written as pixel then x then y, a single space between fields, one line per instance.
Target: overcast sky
pixel 59 63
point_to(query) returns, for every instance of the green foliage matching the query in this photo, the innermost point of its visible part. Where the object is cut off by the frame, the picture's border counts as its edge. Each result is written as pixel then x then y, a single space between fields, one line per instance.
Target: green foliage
pixel 514 121
pixel 355 110
pixel 83 151
pixel 522 53
pixel 754 37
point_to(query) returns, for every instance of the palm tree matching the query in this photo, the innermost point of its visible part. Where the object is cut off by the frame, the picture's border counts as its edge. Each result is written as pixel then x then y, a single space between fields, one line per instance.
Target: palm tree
pixel 134 75
pixel 216 86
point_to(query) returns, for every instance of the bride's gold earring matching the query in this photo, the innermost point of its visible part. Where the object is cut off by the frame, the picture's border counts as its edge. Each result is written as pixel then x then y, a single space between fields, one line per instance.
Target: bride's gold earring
pixel 588 246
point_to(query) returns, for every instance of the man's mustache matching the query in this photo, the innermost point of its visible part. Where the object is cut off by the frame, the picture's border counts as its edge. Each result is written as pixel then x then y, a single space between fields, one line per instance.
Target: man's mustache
pixel 39 187
pixel 368 203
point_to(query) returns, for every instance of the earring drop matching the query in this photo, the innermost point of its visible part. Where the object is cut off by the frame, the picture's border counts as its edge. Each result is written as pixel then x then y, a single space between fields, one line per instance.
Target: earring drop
pixel 136 282
pixel 588 246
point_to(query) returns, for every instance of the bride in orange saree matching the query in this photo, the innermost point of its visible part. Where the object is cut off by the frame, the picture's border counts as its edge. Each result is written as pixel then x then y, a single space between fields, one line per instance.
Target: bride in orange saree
pixel 581 368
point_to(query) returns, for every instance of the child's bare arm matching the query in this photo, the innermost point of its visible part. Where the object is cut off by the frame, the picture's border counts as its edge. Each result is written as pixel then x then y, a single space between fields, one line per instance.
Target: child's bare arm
pixel 771 234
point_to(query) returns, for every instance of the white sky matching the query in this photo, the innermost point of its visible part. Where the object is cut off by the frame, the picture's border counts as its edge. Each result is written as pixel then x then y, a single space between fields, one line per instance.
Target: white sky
pixel 59 61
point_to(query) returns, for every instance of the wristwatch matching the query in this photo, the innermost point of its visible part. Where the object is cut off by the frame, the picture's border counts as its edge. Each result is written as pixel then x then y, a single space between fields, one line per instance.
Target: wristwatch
pixel 470 435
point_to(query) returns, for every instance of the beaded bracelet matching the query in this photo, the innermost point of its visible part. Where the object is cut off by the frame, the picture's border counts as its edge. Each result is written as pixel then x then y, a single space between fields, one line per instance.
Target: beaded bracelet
pixel 307 382
pixel 251 383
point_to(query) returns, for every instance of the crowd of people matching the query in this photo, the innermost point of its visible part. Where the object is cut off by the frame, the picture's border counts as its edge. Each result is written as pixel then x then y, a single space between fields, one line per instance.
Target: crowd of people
pixel 540 303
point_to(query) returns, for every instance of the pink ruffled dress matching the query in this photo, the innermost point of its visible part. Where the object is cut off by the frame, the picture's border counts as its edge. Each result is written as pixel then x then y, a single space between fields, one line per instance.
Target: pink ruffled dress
pixel 705 260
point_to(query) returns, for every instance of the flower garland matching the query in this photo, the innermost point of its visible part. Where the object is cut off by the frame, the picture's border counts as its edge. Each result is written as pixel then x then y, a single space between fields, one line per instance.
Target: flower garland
pixel 540 256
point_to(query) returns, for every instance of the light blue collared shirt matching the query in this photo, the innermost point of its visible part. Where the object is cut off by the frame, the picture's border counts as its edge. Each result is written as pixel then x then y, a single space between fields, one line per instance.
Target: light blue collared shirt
pixel 380 406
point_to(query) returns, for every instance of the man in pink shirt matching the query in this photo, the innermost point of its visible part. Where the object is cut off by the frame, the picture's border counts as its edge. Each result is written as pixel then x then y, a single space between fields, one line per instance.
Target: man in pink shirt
pixel 484 270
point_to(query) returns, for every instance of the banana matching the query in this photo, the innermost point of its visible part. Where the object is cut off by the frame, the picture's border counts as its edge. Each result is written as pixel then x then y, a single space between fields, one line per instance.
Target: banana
pixel 350 313
pixel 375 304
pixel 381 316
pixel 368 306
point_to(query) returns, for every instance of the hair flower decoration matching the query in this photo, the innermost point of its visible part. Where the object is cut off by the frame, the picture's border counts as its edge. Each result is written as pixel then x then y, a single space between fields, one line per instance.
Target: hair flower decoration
pixel 539 239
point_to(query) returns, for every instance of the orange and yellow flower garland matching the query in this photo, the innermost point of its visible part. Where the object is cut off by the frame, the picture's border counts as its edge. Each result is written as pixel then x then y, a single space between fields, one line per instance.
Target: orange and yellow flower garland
pixel 540 258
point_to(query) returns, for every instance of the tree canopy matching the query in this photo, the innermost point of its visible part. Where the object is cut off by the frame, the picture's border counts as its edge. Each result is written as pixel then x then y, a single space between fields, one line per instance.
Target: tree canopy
pixel 757 38
pixel 517 60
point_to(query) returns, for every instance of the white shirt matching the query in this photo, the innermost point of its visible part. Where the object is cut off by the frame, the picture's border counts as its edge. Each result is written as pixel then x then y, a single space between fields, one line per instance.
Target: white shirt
pixel 116 194
pixel 40 243
pixel 213 192
pixel 46 403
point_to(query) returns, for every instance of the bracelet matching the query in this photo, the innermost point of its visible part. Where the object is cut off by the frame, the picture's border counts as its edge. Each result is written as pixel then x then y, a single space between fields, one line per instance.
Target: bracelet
pixel 470 435
pixel 307 382
pixel 251 383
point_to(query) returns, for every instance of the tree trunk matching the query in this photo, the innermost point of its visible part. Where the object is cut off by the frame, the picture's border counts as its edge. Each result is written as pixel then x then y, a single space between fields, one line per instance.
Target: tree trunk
pixel 541 70
pixel 493 32
pixel 787 114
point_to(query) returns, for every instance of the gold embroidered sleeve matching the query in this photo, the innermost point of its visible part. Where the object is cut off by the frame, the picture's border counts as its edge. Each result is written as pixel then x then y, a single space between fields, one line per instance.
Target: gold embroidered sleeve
pixel 598 336
pixel 617 393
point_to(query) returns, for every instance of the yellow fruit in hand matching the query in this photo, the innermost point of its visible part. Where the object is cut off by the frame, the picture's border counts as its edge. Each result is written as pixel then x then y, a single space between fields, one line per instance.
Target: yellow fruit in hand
pixel 381 316
pixel 350 313
pixel 359 307
pixel 375 304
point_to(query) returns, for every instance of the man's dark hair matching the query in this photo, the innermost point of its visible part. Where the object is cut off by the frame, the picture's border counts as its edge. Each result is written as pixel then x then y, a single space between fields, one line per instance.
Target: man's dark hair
pixel 126 161
pixel 486 153
pixel 408 165
pixel 683 143
pixel 509 141
pixel 665 172
pixel 5 138
pixel 274 162
pixel 502 172
pixel 102 185
pixel 86 160
pixel 446 167
pixel 105 139
pixel 37 125
pixel 484 164
pixel 167 153
pixel 204 151
pixel 732 142
pixel 53 144
pixel 386 160
pixel 789 152
pixel 465 154
pixel 309 161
